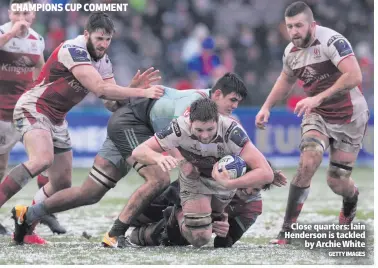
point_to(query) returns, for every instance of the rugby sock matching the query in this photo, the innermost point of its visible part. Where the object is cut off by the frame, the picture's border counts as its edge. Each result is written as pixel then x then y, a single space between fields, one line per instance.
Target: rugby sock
pixel 42 180
pixel 40 196
pixel 36 212
pixel 353 197
pixel 16 179
pixel 119 228
pixel 297 196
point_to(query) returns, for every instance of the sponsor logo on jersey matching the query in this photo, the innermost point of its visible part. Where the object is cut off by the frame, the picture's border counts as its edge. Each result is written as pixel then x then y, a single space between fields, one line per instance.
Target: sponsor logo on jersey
pixel 239 137
pixel 343 47
pixel 77 86
pixel 15 69
pixel 333 38
pixel 164 132
pixel 176 128
pixel 310 75
pixel 228 131
pixel 78 55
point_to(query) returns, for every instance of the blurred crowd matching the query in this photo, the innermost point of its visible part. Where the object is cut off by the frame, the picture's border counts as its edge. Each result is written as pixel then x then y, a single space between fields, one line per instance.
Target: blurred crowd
pixel 194 42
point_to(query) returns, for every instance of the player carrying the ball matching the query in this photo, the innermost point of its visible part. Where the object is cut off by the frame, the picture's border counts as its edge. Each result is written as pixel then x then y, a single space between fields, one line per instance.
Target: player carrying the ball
pixel 203 137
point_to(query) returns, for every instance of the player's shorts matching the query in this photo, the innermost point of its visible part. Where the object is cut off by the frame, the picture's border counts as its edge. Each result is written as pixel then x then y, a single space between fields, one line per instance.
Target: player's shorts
pixel 9 136
pixel 26 119
pixel 345 137
pixel 192 189
pixel 126 131
pixel 110 152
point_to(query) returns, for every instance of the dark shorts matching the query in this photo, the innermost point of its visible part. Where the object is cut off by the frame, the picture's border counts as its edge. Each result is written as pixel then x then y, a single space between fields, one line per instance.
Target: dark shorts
pixel 126 131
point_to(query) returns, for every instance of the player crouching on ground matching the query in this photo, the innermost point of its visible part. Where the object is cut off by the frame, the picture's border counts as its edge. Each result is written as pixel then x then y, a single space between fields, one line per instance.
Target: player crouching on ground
pixel 203 137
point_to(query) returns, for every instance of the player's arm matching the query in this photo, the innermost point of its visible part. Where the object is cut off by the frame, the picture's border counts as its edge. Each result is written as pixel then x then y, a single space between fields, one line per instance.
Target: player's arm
pixel 38 67
pixel 281 88
pixel 110 104
pixel 149 153
pixel 16 28
pixel 91 79
pixel 350 78
pixel 260 174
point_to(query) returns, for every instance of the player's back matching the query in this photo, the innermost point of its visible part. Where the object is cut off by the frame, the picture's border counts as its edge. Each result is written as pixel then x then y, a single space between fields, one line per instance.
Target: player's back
pixel 57 90
pixel 18 58
pixel 173 104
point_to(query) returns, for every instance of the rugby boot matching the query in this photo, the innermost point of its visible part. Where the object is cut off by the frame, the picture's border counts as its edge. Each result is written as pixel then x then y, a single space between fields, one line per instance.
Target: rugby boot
pixel 52 222
pixel 348 210
pixel 117 242
pixel 21 228
pixel 34 239
pixel 281 239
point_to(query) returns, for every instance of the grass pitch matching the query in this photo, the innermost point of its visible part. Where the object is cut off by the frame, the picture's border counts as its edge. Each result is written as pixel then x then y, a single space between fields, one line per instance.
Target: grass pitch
pixel 321 206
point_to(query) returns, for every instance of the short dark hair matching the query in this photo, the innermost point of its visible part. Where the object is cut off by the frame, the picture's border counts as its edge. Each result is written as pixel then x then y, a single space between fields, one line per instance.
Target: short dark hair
pixel 100 20
pixel 297 8
pixel 231 82
pixel 204 110
pixel 11 2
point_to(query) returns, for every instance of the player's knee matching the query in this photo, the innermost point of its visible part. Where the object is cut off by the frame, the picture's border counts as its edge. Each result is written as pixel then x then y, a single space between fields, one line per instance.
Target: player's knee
pixel 101 177
pixel 339 170
pixel 159 180
pixel 312 144
pixel 199 226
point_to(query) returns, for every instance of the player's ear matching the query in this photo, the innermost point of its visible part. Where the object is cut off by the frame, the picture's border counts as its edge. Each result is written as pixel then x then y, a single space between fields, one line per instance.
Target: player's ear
pixel 86 35
pixel 217 93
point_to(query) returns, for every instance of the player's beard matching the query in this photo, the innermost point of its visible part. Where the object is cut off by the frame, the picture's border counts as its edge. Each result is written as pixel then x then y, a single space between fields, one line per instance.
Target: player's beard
pixel 306 40
pixel 92 50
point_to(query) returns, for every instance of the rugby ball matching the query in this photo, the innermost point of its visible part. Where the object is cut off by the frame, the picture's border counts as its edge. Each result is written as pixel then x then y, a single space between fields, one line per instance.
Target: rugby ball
pixel 234 164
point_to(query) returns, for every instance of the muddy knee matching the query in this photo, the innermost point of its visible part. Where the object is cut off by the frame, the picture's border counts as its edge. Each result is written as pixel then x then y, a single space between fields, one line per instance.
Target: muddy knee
pixel 338 174
pixel 199 226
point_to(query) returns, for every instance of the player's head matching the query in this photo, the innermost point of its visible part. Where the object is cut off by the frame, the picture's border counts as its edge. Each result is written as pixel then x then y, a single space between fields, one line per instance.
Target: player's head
pixel 204 119
pixel 18 11
pixel 228 92
pixel 300 23
pixel 98 32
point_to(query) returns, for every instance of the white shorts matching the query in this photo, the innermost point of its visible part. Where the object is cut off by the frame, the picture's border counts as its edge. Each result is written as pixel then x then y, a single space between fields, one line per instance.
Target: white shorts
pixel 9 136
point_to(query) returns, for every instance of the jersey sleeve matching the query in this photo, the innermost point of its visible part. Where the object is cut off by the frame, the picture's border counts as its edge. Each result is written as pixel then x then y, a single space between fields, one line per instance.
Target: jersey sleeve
pixel 169 137
pixel 338 48
pixel 236 138
pixel 106 70
pixel 183 104
pixel 71 56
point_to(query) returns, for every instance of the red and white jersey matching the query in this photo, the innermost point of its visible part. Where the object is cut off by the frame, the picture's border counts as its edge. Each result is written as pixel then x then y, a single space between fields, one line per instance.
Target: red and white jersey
pixel 316 66
pixel 57 90
pixel 230 139
pixel 18 57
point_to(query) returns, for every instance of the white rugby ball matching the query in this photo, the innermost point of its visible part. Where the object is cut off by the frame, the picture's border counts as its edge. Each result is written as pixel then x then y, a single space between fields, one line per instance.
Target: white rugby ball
pixel 234 164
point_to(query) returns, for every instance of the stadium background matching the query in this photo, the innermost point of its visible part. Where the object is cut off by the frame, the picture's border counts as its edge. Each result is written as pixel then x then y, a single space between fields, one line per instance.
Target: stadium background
pixel 243 36
pixel 248 37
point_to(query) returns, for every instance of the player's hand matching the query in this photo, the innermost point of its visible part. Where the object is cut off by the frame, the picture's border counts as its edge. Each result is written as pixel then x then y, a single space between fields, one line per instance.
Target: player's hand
pixel 154 92
pixel 166 162
pixel 220 228
pixel 279 178
pixel 145 79
pixel 306 105
pixel 222 177
pixel 262 118
pixel 19 26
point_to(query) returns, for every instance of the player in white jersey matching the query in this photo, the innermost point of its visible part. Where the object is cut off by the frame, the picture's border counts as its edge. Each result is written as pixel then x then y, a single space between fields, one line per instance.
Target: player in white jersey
pixel 21 60
pixel 203 137
pixel 76 67
pixel 335 111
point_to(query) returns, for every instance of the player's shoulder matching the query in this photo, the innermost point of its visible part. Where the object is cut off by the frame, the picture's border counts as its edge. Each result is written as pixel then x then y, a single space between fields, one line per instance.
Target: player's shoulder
pixel 34 35
pixel 233 131
pixel 289 49
pixel 78 42
pixel 327 36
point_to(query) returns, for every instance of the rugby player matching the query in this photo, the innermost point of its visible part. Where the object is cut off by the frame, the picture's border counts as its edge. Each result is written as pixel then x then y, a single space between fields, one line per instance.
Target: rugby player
pixel 21 58
pixel 203 137
pixel 129 126
pixel 335 111
pixel 75 68
pixel 157 224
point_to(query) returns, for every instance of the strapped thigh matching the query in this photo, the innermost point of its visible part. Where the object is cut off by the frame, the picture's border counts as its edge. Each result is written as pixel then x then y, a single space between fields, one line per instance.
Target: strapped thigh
pixel 339 171
pixel 313 143
pixel 100 177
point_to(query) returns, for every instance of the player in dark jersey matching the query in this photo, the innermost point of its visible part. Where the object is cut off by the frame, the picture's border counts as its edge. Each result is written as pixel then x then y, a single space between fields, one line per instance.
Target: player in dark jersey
pixel 335 111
